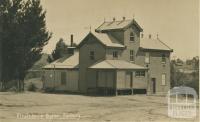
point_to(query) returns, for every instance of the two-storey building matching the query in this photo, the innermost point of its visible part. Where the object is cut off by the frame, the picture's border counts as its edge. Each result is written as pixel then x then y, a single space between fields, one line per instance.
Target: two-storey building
pixel 117 58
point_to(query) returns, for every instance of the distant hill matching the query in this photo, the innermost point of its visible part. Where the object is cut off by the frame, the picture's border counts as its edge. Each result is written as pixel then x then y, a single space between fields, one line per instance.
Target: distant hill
pixel 36 70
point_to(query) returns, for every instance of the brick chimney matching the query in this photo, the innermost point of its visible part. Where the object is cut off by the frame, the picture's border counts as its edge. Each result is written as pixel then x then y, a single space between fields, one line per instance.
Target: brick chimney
pixel 124 18
pixel 149 36
pixel 113 19
pixel 72 40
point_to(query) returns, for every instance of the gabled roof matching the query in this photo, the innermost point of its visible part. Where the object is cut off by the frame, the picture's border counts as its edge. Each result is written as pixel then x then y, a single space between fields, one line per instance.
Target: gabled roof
pixel 116 25
pixel 154 44
pixel 65 62
pixel 116 64
pixel 105 39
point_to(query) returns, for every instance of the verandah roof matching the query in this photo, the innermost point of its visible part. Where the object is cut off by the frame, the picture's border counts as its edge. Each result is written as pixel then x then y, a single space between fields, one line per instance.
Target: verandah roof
pixel 116 64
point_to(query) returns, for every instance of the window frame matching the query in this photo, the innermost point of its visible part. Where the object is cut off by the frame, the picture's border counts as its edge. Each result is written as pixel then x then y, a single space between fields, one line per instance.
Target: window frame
pixel 92 57
pixel 132 55
pixel 132 37
pixel 140 73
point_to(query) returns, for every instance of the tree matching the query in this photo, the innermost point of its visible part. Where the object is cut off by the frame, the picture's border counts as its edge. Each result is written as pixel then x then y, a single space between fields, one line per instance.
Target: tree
pixel 24 36
pixel 60 50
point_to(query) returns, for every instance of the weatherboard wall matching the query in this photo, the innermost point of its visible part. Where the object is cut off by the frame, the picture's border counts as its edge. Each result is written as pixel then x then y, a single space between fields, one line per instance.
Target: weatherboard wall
pixel 55 82
pixel 156 69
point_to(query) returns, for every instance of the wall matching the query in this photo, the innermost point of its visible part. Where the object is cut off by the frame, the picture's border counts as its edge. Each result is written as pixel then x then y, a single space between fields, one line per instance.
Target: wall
pixel 109 53
pixel 0 61
pixel 87 77
pixel 156 69
pixel 138 82
pixel 129 44
pixel 124 38
pixel 71 81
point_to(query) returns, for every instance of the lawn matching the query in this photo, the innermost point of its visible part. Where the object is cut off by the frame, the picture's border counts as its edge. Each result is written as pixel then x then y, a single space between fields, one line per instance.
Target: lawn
pixel 43 107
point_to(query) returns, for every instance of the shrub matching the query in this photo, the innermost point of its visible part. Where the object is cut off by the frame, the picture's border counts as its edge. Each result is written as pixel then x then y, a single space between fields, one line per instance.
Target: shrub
pixel 32 87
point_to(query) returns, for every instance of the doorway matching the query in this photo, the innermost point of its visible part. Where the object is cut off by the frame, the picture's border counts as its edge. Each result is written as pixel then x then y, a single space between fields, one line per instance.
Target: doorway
pixel 129 78
pixel 153 85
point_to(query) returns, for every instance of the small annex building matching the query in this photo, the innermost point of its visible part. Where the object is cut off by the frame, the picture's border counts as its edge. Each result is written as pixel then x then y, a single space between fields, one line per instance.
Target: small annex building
pixel 62 74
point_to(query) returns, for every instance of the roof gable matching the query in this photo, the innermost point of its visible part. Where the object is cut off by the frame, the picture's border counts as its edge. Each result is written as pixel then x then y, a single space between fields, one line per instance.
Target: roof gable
pixel 153 44
pixel 117 25
pixel 65 62
pixel 105 39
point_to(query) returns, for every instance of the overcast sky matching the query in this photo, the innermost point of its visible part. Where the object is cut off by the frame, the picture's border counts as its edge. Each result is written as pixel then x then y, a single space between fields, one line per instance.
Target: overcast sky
pixel 176 21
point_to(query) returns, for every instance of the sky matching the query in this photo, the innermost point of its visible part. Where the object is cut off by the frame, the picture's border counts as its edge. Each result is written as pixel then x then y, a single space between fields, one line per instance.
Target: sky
pixel 175 21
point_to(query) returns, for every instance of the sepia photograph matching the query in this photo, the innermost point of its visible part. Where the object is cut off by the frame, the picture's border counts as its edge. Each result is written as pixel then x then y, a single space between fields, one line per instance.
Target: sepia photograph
pixel 99 60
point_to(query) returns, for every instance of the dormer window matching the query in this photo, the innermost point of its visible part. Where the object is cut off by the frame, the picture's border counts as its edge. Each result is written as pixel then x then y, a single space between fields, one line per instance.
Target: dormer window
pixel 132 38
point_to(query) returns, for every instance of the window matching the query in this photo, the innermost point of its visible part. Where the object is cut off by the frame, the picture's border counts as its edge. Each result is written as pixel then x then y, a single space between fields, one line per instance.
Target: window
pixel 115 54
pixel 132 55
pixel 147 58
pixel 92 55
pixel 140 73
pixel 63 78
pixel 163 58
pixel 163 79
pixel 132 38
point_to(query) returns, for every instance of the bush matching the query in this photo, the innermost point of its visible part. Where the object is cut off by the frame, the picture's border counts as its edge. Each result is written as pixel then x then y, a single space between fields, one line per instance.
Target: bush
pixel 32 87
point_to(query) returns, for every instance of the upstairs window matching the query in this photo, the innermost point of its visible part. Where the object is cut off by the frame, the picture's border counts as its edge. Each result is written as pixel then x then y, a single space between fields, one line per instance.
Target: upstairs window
pixel 140 74
pixel 163 58
pixel 132 38
pixel 92 55
pixel 132 55
pixel 115 54
pixel 147 58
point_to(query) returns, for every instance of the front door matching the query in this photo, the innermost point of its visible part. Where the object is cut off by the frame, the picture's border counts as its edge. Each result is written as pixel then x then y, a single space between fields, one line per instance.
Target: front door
pixel 129 78
pixel 154 85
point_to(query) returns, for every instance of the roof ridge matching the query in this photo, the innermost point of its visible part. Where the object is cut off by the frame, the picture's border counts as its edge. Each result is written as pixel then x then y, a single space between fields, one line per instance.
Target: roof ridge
pixel 164 43
pixel 119 20
pixel 100 25
pixel 110 63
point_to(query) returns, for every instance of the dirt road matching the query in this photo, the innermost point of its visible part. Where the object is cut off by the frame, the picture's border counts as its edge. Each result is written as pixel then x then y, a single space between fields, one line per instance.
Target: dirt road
pixel 42 107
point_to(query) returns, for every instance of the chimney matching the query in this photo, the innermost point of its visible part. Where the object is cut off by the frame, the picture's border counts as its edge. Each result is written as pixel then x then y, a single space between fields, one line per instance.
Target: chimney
pixel 72 40
pixel 142 35
pixel 124 18
pixel 113 19
pixel 149 36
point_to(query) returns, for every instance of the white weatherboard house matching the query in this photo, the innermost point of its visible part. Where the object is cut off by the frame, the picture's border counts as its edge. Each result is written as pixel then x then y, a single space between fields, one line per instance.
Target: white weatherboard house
pixel 115 59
